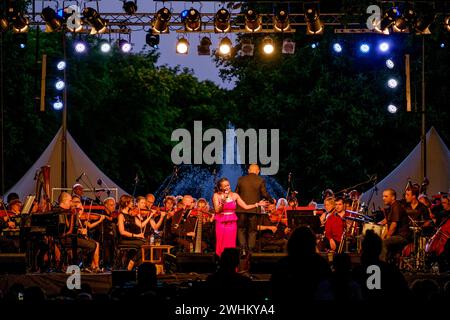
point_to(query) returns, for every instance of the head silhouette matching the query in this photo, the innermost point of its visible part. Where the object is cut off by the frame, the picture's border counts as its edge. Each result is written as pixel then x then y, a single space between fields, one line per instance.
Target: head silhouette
pixel 302 242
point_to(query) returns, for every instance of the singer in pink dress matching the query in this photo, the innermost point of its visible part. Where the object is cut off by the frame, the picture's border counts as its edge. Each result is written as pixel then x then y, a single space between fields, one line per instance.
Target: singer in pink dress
pixel 225 201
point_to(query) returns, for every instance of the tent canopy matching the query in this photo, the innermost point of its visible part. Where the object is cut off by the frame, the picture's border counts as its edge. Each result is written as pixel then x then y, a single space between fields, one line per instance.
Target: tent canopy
pixel 438 172
pixel 77 164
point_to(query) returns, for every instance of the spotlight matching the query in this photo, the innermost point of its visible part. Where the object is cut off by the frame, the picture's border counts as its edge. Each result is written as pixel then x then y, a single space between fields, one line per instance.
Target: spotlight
pixel 222 21
pixel 364 48
pixel 225 46
pixel 253 21
pixel 422 25
pixel 130 7
pixel 184 14
pixel 152 40
pixel 442 45
pixel 193 20
pixel 288 46
pixel 19 23
pixel 203 49
pixel 93 18
pixel 447 23
pixel 105 47
pixel 384 47
pixel 337 48
pixel 314 45
pixel 281 21
pixel 404 22
pixel 161 21
pixel 388 20
pixel 124 45
pixel 390 64
pixel 58 105
pixel 61 65
pixel 20 39
pixel 52 21
pixel 392 83
pixel 60 85
pixel 80 47
pixel 268 46
pixel 313 23
pixel 182 46
pixel 392 108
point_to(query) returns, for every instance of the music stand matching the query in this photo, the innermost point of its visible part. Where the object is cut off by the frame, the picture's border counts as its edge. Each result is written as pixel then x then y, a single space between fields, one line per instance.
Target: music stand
pixel 28 204
pixel 297 218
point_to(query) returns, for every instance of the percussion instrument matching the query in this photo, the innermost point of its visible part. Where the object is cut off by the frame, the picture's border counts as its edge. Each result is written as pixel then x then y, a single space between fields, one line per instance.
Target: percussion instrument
pixel 378 229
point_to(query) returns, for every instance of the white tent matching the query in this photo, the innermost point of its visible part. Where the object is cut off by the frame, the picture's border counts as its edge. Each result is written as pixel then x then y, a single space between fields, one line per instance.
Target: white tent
pixel 438 171
pixel 77 163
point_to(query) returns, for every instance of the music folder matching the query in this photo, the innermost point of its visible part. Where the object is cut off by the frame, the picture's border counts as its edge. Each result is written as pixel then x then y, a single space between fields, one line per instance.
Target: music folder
pixel 303 217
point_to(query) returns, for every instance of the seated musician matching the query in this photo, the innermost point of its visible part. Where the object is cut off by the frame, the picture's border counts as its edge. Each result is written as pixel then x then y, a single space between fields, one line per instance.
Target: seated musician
pixel 15 207
pixel 76 234
pixel 273 228
pixel 143 213
pixel 329 207
pixel 169 208
pixel 183 225
pixel 108 231
pixel 416 210
pixel 6 245
pixel 397 222
pixel 131 229
pixel 335 226
pixel 150 201
pixel 78 190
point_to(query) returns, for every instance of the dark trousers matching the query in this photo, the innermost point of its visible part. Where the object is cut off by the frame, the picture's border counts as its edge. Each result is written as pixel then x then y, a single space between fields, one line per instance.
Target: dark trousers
pixel 108 251
pixel 392 246
pixel 247 230
pixel 133 243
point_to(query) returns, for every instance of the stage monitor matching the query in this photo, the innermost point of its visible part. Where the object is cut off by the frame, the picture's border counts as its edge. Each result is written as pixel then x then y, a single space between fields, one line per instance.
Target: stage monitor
pixel 297 218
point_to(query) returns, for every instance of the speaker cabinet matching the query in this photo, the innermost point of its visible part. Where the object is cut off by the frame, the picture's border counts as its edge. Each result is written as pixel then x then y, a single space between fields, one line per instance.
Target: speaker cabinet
pixel 13 263
pixel 264 262
pixel 196 262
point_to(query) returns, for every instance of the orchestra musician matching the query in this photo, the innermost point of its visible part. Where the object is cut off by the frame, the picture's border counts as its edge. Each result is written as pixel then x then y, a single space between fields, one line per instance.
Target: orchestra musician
pixel 141 211
pixel 416 210
pixel 78 190
pixel 329 206
pixel 131 228
pixel 169 208
pixel 108 232
pixel 273 228
pixel 6 245
pixel 396 219
pixel 335 226
pixel 72 234
pixel 150 201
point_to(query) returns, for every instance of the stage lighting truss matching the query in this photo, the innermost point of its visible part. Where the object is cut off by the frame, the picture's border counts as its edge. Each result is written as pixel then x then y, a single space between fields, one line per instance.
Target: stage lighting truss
pixel 53 22
pixel 193 20
pixel 92 17
pixel 222 21
pixel 312 18
pixel 161 21
pixel 204 48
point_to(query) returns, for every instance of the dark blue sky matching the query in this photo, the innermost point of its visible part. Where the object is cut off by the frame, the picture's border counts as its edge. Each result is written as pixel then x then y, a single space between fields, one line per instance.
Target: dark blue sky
pixel 203 66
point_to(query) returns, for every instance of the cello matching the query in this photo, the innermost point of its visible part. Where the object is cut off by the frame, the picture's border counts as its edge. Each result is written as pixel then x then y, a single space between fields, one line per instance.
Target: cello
pixel 439 239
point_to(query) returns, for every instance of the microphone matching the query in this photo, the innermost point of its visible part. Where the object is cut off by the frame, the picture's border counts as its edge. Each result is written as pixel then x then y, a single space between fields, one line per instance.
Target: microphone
pixel 81 176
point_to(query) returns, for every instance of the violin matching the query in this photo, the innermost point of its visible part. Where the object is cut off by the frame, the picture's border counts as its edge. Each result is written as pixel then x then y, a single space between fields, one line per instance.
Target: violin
pixel 278 216
pixel 145 212
pixel 7 213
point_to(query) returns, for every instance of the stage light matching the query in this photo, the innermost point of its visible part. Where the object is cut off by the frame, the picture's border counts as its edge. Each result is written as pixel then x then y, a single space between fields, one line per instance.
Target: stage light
pixel 388 20
pixel 268 46
pixel 193 21
pixel 392 108
pixel 184 14
pixel 61 65
pixel 225 46
pixel 313 23
pixel 130 7
pixel 52 21
pixel 384 47
pixel 288 46
pixel 247 48
pixel 422 25
pixel 390 64
pixel 19 23
pixel 161 21
pixel 182 46
pixel 152 40
pixel 281 21
pixel 203 49
pixel 58 105
pixel 447 23
pixel 405 21
pixel 337 48
pixel 60 85
pixel 124 45
pixel 105 47
pixel 364 48
pixel 253 21
pixel 80 47
pixel 20 39
pixel 442 45
pixel 222 21
pixel 95 21
pixel 392 83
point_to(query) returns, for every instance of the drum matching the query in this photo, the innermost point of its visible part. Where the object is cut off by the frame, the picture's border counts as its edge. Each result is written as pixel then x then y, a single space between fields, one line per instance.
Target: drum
pixel 378 229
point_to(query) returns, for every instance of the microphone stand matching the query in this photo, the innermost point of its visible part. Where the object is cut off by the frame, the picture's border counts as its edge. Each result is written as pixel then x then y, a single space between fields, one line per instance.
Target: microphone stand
pixel 136 180
pixel 90 185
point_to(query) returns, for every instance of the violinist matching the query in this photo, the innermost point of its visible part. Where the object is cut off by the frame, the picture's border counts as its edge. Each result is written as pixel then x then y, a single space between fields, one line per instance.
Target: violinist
pixel 131 229
pixel 169 208
pixel 13 214
pixel 273 228
pixel 150 201
pixel 6 245
pixel 142 211
pixel 108 231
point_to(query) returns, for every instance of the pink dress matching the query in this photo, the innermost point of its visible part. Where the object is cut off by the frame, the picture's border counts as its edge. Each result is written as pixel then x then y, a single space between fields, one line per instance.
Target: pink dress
pixel 226 227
